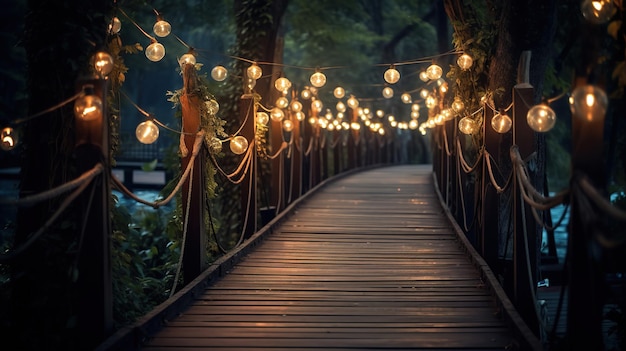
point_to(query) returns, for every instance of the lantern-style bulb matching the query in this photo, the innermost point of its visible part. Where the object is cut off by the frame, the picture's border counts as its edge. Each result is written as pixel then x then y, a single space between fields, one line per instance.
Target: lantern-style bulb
pixel 103 63
pixel 406 98
pixel 262 118
pixel 353 103
pixel 300 116
pixel 296 106
pixel 465 61
pixel 254 71
pixel 88 107
pixel 147 132
pixel 413 124
pixel 380 113
pixel 597 11
pixel 415 107
pixel 541 118
pixel 588 103
pixel 187 59
pixel 305 94
pixel 115 26
pixel 155 52
pixel 238 145
pixel 387 92
pixel 415 114
pixel 162 28
pixel 282 84
pixel 424 93
pixel 277 114
pixel 392 75
pixel 430 102
pixel 219 73
pixel 434 72
pixel 458 105
pixel 501 123
pixel 317 105
pixel 318 79
pixel 8 139
pixel 339 92
pixel 288 125
pixel 467 126
pixel 282 102
pixel 424 76
pixel 341 107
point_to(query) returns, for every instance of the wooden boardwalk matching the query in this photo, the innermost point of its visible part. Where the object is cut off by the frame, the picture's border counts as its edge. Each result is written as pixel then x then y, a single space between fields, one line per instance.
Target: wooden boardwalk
pixel 369 262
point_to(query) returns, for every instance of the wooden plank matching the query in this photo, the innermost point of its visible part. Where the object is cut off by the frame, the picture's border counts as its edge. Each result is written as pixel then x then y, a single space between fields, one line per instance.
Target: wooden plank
pixel 369 262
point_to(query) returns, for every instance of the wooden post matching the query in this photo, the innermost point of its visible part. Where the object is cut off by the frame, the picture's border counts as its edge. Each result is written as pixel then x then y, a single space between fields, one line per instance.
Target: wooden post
pixel 95 297
pixel 247 109
pixel 195 258
pixel 296 161
pixel 489 235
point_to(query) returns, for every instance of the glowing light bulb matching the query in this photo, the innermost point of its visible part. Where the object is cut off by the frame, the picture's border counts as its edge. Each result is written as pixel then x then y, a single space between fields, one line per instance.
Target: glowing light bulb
pixel 88 107
pixel 318 79
pixel 219 73
pixel 434 72
pixel 415 107
pixel 296 106
pixel 387 92
pixel 162 28
pixel 282 84
pixel 430 102
pixel 276 114
pixel 353 103
pixel 458 105
pixel 103 63
pixel 313 121
pixel 467 126
pixel 8 139
pixel 424 93
pixel 262 118
pixel 413 124
pixel 288 125
pixel 380 113
pixel 317 105
pixel 115 26
pixel 424 76
pixel 415 114
pixel 406 98
pixel 588 103
pixel 250 83
pixel 597 11
pixel 282 102
pixel 238 145
pixel 392 75
pixel 155 52
pixel 339 92
pixel 187 59
pixel 254 71
pixel 355 126
pixel 147 132
pixel 465 61
pixel 381 131
pixel 300 116
pixel 341 107
pixel 501 123
pixel 305 94
pixel 541 118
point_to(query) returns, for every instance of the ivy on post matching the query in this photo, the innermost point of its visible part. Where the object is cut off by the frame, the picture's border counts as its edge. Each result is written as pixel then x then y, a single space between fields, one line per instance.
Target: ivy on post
pixel 193 191
pixel 94 285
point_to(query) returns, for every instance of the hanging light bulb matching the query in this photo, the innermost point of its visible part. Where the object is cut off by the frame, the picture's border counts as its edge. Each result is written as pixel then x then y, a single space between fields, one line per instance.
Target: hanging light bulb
pixel 424 76
pixel 216 145
pixel 282 84
pixel 318 79
pixel 277 114
pixel 434 72
pixel 155 51
pixel 380 113
pixel 541 118
pixel 339 92
pixel 501 123
pixel 288 125
pixel 219 73
pixel 392 75
pixel 162 28
pixel 413 124
pixel 588 103
pixel 115 26
pixel 147 132
pixel 238 145
pixel 387 92
pixel 465 61
pixel 8 139
pixel 424 93
pixel 296 106
pixel 415 114
pixel 300 116
pixel 430 102
pixel 282 102
pixel 340 106
pixel 458 105
pixel 262 118
pixel 406 98
pixel 103 63
pixel 187 59
pixel 312 121
pixel 353 103
pixel 467 126
pixel 317 105
pixel 88 107
pixel 305 94
pixel 254 71
pixel 597 11
pixel 415 107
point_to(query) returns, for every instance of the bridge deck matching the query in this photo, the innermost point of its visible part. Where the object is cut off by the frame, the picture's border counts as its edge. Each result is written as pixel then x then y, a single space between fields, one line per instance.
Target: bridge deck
pixel 368 262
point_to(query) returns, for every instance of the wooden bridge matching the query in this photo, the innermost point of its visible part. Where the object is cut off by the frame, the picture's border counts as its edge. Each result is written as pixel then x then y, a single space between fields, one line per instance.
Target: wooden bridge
pixel 369 261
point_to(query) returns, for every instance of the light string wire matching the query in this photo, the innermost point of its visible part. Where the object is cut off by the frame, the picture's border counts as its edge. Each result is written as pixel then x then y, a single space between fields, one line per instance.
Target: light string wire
pixel 85 180
pixel 151 116
pixel 50 109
